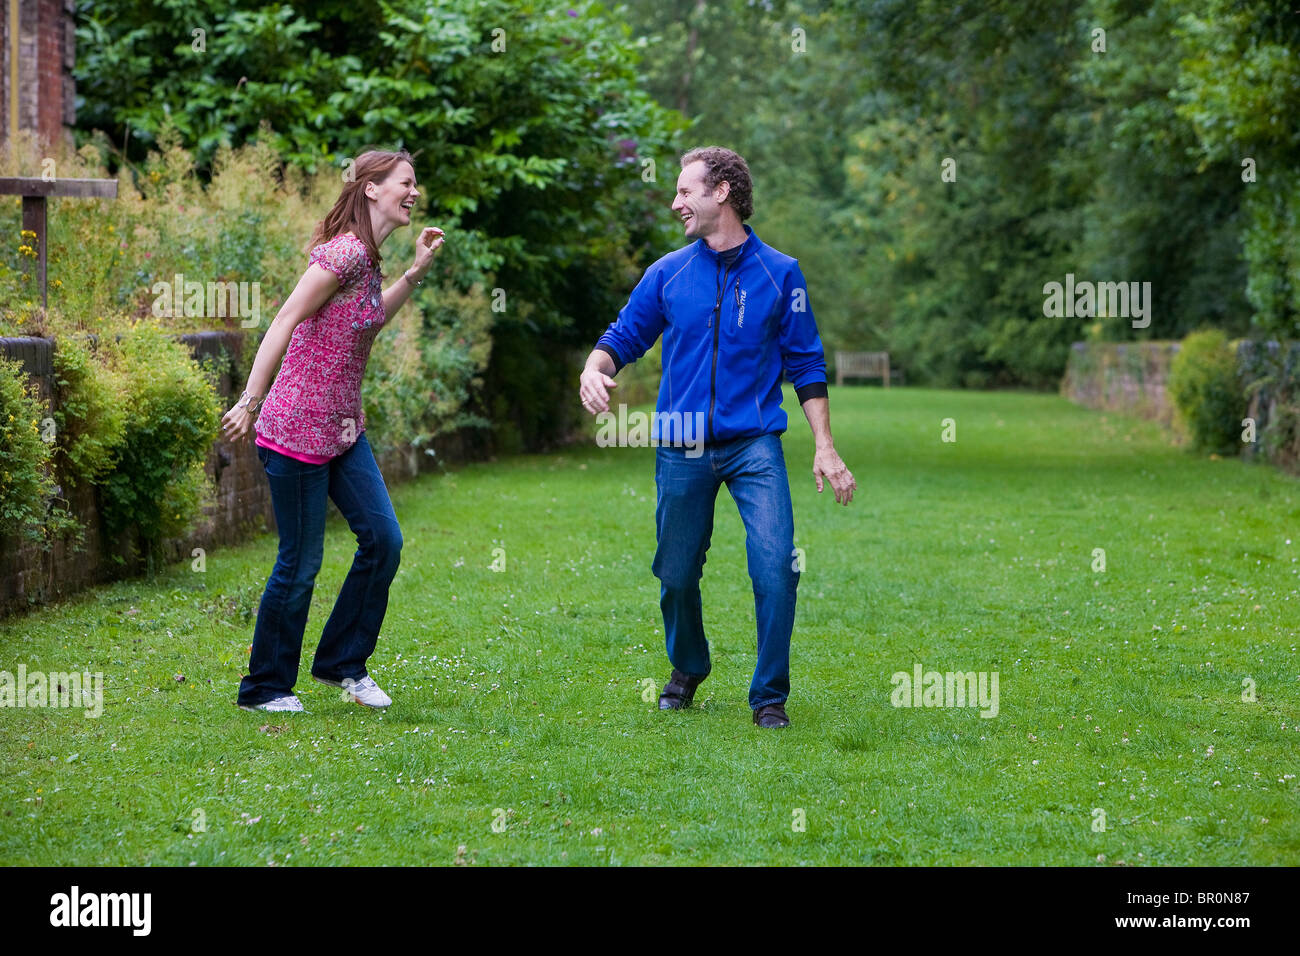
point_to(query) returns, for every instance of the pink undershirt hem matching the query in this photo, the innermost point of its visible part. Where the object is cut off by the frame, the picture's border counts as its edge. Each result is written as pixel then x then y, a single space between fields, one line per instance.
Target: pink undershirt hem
pixel 300 456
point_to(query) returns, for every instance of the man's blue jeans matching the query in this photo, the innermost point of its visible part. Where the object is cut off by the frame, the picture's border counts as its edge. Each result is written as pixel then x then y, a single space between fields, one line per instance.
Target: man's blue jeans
pixel 298 494
pixel 754 472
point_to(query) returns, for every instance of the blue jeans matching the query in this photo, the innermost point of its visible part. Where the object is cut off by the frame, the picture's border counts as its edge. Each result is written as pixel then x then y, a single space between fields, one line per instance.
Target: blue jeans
pixel 754 472
pixel 298 495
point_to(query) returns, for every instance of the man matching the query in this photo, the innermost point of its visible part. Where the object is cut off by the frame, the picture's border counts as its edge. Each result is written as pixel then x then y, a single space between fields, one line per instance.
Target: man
pixel 734 313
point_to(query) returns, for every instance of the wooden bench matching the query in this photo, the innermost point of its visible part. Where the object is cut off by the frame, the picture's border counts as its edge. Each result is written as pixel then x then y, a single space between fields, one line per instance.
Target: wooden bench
pixel 865 365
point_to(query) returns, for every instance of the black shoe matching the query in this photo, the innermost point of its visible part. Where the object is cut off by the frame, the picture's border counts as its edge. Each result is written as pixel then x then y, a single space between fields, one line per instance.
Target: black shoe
pixel 771 715
pixel 679 691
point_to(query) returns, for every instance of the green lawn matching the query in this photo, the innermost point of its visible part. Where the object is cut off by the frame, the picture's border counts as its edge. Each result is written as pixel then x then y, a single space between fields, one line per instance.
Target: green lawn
pixel 519 696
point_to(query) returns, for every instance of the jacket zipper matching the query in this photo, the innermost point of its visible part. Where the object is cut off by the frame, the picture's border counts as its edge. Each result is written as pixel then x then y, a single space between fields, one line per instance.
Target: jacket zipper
pixel 716 322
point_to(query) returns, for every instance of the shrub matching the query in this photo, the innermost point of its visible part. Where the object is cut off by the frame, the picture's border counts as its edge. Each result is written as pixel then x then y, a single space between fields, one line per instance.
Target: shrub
pixel 423 372
pixel 91 411
pixel 26 488
pixel 1205 387
pixel 171 412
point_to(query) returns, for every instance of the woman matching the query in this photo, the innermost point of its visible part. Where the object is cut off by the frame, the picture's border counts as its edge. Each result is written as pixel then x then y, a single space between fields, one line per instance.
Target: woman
pixel 311 438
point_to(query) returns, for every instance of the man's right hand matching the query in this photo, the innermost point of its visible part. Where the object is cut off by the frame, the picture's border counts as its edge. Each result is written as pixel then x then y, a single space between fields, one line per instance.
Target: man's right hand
pixel 593 388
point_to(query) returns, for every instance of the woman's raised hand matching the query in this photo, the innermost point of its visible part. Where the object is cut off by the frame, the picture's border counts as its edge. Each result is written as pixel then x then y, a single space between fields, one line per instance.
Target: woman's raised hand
pixel 429 242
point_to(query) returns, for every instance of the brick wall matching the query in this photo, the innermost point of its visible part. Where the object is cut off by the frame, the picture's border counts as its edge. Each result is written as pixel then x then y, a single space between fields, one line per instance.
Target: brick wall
pixel 46 56
pixel 31 575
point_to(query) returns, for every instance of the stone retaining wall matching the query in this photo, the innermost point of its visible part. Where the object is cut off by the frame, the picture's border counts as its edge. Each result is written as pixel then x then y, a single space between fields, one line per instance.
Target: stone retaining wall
pixel 1124 377
pixel 1130 377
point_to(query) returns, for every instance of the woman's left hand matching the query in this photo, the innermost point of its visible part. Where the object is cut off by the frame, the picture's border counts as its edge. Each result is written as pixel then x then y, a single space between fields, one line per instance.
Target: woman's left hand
pixel 430 240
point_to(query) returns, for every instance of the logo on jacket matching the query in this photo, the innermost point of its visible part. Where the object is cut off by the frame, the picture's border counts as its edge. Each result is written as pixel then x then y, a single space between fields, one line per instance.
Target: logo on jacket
pixel 740 319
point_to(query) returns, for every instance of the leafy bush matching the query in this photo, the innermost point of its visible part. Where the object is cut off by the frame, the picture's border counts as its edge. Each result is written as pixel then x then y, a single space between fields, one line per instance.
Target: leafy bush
pixel 26 487
pixel 423 372
pixel 91 415
pixel 171 413
pixel 17 279
pixel 248 224
pixel 1205 387
pixel 1237 88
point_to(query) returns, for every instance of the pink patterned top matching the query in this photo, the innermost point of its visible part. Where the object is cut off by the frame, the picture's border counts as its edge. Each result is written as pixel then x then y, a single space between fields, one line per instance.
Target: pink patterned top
pixel 313 409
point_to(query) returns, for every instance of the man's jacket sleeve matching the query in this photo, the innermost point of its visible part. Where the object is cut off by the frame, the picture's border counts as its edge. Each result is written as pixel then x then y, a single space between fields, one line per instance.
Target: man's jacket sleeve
pixel 801 346
pixel 639 323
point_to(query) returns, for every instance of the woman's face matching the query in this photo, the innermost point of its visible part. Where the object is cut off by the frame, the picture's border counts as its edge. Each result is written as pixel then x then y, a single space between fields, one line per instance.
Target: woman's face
pixel 395 196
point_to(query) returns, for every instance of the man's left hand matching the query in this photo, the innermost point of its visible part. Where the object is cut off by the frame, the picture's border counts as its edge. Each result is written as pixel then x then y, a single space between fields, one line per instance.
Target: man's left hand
pixel 828 465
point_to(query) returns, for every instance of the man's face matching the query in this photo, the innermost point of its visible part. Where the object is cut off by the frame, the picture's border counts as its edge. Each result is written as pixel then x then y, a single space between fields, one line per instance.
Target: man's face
pixel 699 207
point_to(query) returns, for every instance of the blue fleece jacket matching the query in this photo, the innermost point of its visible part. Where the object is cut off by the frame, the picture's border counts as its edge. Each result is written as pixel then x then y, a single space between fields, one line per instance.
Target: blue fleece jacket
pixel 729 332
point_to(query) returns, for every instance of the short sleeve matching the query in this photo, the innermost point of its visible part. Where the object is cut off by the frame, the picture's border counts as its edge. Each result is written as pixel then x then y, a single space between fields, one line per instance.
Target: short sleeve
pixel 342 256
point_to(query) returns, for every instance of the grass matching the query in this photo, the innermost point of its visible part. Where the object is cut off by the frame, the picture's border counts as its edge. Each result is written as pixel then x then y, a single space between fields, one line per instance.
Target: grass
pixel 525 698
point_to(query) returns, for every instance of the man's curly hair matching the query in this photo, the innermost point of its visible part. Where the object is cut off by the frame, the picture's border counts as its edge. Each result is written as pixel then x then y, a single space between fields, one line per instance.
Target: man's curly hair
pixel 725 165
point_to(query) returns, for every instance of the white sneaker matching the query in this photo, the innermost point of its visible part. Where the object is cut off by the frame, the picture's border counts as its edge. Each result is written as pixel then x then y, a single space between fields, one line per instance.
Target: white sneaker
pixel 289 704
pixel 364 691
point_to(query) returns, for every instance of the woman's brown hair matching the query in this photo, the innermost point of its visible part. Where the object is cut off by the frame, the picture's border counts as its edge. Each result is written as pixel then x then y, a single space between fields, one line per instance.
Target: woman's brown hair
pixel 351 212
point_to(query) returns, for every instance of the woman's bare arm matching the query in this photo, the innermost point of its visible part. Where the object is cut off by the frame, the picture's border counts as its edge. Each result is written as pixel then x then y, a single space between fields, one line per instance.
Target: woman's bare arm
pixel 313 290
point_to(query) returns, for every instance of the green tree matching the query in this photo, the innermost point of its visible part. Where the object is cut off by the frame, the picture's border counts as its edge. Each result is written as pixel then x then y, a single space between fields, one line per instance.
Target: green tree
pixel 528 122
pixel 1239 88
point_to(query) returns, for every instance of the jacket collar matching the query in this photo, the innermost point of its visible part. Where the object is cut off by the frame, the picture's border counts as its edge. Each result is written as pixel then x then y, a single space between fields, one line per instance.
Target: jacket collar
pixel 751 243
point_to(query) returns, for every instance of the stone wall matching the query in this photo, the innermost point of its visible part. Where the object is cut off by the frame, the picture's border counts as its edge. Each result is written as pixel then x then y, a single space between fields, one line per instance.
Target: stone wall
pixel 31 575
pixel 1130 377
pixel 1124 377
